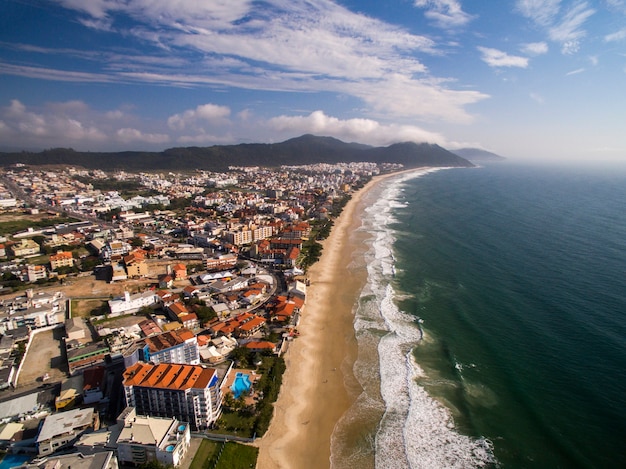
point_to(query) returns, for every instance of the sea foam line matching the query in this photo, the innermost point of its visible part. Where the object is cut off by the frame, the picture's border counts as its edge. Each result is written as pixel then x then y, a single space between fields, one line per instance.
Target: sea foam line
pixel 416 431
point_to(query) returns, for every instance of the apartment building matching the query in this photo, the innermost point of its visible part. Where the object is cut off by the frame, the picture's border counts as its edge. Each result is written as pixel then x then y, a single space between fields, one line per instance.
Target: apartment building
pixel 61 259
pixel 189 393
pixel 179 346
pixel 143 439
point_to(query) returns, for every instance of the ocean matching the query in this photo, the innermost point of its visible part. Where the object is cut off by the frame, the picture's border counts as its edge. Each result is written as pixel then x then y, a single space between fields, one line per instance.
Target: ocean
pixel 492 328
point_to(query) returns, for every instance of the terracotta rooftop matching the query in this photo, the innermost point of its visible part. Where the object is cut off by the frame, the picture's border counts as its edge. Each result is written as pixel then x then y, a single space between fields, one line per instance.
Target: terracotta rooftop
pixel 169 376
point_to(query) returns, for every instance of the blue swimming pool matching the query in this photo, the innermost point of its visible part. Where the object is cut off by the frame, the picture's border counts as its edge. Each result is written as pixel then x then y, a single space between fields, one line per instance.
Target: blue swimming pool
pixel 242 384
pixel 14 460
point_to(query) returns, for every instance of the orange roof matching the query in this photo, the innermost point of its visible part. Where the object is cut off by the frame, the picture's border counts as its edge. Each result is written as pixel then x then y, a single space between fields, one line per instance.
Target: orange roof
pixel 260 344
pixel 178 308
pixel 168 339
pixel 168 376
pixel 252 324
pixel 203 340
pixel 61 255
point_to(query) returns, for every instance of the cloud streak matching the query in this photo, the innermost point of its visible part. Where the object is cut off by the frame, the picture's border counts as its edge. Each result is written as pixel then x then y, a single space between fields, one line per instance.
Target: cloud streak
pixel 497 58
pixel 564 26
pixel 286 46
pixel 446 14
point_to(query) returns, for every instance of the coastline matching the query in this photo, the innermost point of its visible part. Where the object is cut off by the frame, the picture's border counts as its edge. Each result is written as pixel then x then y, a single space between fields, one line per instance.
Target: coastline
pixel 319 385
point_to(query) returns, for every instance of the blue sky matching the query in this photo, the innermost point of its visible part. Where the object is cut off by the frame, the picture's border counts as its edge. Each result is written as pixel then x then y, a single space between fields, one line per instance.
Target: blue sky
pixel 533 79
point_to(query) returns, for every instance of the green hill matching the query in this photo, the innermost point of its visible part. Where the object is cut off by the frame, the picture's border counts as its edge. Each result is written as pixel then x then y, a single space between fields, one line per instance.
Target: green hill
pixel 307 149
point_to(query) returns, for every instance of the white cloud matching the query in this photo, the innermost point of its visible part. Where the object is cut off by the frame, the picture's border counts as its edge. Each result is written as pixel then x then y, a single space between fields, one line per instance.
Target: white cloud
pixel 541 12
pixel 444 13
pixel 205 113
pixel 498 58
pixel 565 27
pixel 537 98
pixel 289 45
pixel 535 48
pixel 568 30
pixel 360 130
pixel 73 123
pixel 205 139
pixel 575 72
pixel 49 126
pixel 128 135
pixel 616 36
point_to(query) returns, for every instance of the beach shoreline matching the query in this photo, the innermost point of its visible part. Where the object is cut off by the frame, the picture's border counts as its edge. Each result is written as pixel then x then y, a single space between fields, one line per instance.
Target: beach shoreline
pixel 319 385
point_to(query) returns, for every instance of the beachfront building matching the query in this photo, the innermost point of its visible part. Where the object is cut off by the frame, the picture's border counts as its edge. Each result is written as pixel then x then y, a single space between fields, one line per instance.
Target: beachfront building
pixel 189 393
pixel 144 439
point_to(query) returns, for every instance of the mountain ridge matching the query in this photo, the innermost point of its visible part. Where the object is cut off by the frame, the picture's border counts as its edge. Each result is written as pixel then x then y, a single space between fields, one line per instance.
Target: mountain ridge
pixel 306 149
pixel 477 155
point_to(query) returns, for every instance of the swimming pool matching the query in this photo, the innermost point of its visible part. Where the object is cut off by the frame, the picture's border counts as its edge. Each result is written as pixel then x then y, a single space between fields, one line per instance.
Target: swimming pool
pixel 242 384
pixel 14 460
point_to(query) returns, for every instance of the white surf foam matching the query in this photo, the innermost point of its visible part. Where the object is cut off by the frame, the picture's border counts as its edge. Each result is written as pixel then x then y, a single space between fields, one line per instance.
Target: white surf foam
pixel 416 431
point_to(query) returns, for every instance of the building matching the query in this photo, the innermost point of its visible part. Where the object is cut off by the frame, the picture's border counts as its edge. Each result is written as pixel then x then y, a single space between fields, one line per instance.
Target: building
pixel 132 303
pixel 223 262
pixel 100 460
pixel 61 259
pixel 26 247
pixel 143 439
pixel 36 272
pixel 61 430
pixel 187 392
pixel 93 384
pixel 180 271
pixel 82 357
pixel 75 329
pixel 179 346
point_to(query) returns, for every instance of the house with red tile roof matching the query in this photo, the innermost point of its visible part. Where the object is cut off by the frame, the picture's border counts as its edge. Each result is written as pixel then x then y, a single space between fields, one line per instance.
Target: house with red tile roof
pixel 261 346
pixel 177 309
pixel 190 321
pixel 180 271
pixel 250 326
pixel 166 281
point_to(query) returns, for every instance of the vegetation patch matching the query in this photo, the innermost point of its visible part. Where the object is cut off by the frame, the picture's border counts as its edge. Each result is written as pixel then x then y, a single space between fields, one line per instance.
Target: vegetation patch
pixel 250 421
pixel 227 455
pixel 205 453
pixel 15 225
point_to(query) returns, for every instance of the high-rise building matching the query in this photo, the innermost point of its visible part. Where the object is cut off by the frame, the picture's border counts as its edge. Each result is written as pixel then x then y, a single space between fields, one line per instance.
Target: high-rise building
pixel 189 393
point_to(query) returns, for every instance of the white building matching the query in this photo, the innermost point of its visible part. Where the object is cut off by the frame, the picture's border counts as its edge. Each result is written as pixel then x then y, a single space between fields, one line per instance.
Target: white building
pixel 132 303
pixel 144 439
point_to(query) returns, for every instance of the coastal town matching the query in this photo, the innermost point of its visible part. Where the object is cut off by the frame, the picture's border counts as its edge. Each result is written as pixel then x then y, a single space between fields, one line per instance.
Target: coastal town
pixel 144 316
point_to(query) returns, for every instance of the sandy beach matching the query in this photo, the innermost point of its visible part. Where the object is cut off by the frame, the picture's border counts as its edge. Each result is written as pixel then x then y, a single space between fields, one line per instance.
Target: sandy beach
pixel 319 386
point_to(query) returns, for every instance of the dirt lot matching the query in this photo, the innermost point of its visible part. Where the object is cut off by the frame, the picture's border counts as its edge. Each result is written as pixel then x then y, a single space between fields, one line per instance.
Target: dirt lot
pixel 44 356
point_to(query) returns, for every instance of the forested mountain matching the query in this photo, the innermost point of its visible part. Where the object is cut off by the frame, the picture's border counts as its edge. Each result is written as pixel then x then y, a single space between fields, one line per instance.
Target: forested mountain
pixel 307 149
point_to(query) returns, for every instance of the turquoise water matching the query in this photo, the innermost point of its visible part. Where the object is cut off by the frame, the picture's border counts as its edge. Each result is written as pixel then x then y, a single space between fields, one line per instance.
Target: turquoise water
pixel 13 460
pixel 241 385
pixel 518 275
pixel 492 326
